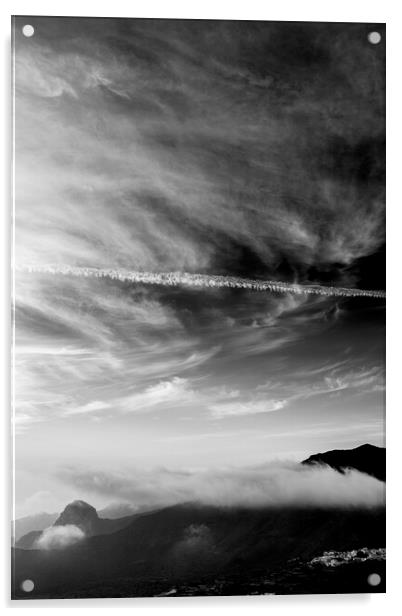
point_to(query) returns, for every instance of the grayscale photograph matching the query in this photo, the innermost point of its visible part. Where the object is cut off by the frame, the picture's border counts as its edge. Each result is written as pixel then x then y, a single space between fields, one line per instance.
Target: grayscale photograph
pixel 198 311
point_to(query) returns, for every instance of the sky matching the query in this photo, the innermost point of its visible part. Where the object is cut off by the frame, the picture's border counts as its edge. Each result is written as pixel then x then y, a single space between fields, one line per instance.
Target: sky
pixel 252 149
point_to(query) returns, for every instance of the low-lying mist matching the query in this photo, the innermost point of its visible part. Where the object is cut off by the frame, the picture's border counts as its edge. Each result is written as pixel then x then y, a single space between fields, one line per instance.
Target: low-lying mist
pixel 271 485
pixel 57 537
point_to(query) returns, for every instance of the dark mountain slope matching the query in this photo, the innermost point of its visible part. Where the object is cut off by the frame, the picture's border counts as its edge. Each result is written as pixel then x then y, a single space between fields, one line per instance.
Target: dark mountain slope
pixel 366 459
pixel 187 542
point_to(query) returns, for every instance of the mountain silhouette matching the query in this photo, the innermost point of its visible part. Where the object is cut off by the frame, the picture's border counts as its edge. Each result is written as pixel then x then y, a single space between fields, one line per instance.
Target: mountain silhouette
pixel 40 521
pixel 80 514
pixel 190 546
pixel 367 459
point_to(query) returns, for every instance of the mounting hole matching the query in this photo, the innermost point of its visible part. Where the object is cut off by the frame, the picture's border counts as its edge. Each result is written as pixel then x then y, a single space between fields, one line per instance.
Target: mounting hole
pixel 27 585
pixel 28 30
pixel 374 38
pixel 374 579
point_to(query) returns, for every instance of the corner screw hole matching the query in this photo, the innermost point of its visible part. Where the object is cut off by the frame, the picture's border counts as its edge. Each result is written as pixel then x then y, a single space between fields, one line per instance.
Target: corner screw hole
pixel 28 30
pixel 374 579
pixel 27 585
pixel 374 38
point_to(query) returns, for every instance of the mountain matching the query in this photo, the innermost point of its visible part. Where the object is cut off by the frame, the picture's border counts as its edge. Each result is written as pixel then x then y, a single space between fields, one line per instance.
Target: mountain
pixel 38 521
pixel 191 549
pixel 367 459
pixel 27 542
pixel 80 514
pixel 192 545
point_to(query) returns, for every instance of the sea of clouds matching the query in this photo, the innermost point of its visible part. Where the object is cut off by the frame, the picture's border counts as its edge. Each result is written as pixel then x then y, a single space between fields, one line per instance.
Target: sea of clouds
pixel 277 484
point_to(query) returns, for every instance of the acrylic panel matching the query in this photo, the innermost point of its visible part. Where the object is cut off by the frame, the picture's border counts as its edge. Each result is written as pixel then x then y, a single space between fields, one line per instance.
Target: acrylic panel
pixel 198 307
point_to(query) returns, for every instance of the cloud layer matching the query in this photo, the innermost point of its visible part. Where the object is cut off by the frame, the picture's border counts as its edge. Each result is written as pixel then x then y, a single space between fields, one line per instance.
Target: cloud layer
pixel 274 485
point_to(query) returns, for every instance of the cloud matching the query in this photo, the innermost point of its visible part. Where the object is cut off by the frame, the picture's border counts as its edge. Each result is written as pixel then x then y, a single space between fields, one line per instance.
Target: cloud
pixel 360 380
pixel 272 485
pixel 325 381
pixel 276 395
pixel 90 407
pixel 159 370
pixel 203 148
pixel 183 164
pixel 80 347
pixel 229 409
pixel 174 392
pixel 201 281
pixel 58 537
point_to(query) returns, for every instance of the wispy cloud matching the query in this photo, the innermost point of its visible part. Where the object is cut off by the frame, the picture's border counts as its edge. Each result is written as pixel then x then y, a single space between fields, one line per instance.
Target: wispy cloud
pixel 165 394
pixel 91 407
pixel 190 131
pixel 275 396
pixel 253 407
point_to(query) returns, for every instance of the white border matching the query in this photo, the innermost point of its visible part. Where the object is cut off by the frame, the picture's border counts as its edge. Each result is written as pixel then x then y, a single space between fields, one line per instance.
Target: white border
pixel 287 10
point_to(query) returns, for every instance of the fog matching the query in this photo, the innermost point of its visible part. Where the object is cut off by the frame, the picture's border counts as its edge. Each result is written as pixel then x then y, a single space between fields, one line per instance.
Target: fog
pixel 276 484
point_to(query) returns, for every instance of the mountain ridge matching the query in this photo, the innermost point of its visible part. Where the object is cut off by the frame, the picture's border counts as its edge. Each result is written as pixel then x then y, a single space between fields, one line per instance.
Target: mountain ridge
pixel 366 458
pixel 188 543
pixel 82 515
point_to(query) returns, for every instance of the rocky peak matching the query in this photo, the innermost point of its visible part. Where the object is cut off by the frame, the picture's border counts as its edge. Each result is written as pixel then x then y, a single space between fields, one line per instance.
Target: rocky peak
pixel 80 514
